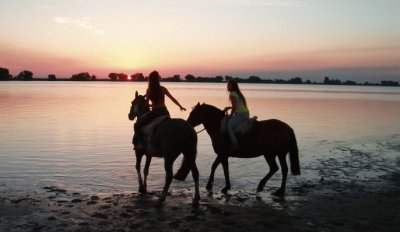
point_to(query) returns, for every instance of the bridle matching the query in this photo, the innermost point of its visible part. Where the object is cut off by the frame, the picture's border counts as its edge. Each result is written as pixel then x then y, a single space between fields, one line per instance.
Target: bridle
pixel 200 130
pixel 139 108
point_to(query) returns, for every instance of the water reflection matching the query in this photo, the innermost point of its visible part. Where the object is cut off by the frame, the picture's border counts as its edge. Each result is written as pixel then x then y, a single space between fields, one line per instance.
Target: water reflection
pixel 78 135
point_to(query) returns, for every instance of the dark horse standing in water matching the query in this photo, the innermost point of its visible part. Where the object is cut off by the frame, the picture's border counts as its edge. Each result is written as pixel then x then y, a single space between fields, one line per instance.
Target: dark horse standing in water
pixel 171 138
pixel 270 138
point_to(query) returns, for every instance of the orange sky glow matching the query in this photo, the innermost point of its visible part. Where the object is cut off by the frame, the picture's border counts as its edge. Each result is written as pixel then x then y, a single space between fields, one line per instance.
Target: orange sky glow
pixel 270 39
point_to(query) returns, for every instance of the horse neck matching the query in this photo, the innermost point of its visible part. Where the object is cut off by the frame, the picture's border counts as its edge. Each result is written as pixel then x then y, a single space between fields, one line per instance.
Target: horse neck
pixel 212 128
pixel 146 109
pixel 213 125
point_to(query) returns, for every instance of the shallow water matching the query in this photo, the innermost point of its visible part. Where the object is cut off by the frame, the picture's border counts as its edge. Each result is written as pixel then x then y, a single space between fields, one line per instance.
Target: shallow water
pixel 77 136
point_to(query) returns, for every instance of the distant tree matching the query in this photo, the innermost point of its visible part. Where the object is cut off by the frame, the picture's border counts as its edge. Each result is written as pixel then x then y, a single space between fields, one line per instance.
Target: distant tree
pixel 113 76
pixel 140 77
pixel 122 77
pixel 267 81
pixel 308 82
pixel 227 78
pixel 207 79
pixel 279 81
pixel 4 74
pixel 254 79
pixel 190 77
pixel 328 81
pixel 174 78
pixel 348 82
pixel 219 78
pixel 296 80
pixel 389 83
pixel 137 77
pixel 93 78
pixel 52 77
pixel 84 76
pixel 25 76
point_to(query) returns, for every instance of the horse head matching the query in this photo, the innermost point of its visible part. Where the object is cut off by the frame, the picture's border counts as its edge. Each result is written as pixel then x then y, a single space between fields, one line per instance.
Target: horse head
pixel 138 107
pixel 204 113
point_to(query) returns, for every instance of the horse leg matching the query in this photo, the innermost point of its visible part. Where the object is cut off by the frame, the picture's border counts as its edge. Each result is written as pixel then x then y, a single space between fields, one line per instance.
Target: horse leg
pixel 139 156
pixel 225 166
pixel 273 168
pixel 168 179
pixel 146 173
pixel 284 167
pixel 211 178
pixel 195 174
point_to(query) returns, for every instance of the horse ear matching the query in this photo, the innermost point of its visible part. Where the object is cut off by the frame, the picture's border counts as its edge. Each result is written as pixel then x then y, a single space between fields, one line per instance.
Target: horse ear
pixel 136 94
pixel 198 103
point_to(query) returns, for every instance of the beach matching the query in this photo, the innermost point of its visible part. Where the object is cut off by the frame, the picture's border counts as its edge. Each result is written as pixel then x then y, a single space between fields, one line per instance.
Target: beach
pixel 76 172
pixel 321 206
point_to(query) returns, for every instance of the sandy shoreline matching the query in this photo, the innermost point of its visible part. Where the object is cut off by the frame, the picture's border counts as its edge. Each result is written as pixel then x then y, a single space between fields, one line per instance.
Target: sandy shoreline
pixel 352 190
pixel 323 206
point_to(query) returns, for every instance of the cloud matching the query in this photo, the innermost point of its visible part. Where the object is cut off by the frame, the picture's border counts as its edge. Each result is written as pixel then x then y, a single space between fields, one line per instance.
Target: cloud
pixel 82 23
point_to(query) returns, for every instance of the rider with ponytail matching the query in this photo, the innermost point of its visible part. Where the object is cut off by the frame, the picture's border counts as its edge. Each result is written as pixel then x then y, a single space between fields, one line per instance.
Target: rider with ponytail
pixel 156 95
pixel 239 111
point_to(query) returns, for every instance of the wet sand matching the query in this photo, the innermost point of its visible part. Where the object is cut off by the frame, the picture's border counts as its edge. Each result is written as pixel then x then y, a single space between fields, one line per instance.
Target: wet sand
pixel 351 190
pixel 322 206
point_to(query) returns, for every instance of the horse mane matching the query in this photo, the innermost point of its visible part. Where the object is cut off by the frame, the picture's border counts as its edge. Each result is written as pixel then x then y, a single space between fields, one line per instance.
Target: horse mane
pixel 214 110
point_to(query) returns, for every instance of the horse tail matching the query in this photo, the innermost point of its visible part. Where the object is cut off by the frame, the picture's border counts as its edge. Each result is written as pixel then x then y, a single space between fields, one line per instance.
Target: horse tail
pixel 189 153
pixel 294 155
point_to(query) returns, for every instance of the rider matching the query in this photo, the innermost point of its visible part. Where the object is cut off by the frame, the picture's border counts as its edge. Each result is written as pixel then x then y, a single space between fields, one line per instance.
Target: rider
pixel 156 94
pixel 239 111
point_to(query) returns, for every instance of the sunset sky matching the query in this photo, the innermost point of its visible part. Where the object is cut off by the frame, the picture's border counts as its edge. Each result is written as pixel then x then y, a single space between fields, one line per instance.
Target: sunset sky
pixel 345 39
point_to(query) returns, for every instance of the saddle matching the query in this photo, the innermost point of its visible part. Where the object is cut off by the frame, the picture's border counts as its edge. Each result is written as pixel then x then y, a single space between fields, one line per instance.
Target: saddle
pixel 148 132
pixel 240 129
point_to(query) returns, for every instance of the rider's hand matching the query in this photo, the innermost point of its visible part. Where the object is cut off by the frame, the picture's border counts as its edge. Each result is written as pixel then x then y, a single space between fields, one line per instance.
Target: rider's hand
pixel 227 108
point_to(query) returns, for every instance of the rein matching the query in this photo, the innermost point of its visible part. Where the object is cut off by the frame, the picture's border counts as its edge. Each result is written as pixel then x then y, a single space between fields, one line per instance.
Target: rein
pixel 200 130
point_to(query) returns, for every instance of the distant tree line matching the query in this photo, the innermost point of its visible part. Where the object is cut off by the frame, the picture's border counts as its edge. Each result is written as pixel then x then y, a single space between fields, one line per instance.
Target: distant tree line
pixel 27 75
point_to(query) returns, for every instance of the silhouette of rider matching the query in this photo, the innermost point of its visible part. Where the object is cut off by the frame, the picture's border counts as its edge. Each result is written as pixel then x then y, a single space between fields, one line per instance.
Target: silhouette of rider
pixel 156 94
pixel 239 111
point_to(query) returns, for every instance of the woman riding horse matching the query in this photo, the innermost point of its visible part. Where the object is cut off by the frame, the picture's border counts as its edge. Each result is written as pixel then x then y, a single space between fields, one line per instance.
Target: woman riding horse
pixel 156 94
pixel 239 111
pixel 171 138
pixel 270 138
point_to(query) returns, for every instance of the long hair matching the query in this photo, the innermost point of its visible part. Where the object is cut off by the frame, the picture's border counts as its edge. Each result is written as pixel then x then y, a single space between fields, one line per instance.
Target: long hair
pixel 155 93
pixel 235 87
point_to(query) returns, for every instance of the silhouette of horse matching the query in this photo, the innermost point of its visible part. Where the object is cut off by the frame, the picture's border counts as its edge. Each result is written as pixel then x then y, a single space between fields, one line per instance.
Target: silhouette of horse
pixel 270 138
pixel 171 138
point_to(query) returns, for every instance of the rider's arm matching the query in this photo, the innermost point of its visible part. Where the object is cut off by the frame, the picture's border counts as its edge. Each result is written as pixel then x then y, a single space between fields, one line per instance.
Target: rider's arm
pixel 172 98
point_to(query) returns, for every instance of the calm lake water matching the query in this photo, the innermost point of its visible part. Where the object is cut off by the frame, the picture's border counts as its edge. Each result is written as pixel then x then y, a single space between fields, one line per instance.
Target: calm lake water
pixel 77 136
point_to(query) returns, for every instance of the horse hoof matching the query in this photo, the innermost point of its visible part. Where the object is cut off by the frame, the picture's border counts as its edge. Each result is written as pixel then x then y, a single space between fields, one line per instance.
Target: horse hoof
pixel 224 191
pixel 209 187
pixel 159 203
pixel 143 189
pixel 260 190
pixel 278 193
pixel 195 203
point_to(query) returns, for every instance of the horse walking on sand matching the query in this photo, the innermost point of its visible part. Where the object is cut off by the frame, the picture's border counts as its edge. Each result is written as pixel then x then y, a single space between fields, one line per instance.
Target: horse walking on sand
pixel 170 138
pixel 270 138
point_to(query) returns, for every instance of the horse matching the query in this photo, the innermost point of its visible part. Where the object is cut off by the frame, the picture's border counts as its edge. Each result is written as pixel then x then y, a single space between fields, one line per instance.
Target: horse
pixel 270 138
pixel 171 138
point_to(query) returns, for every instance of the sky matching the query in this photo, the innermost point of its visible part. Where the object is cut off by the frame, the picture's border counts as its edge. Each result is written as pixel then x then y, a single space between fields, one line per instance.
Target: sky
pixel 344 39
